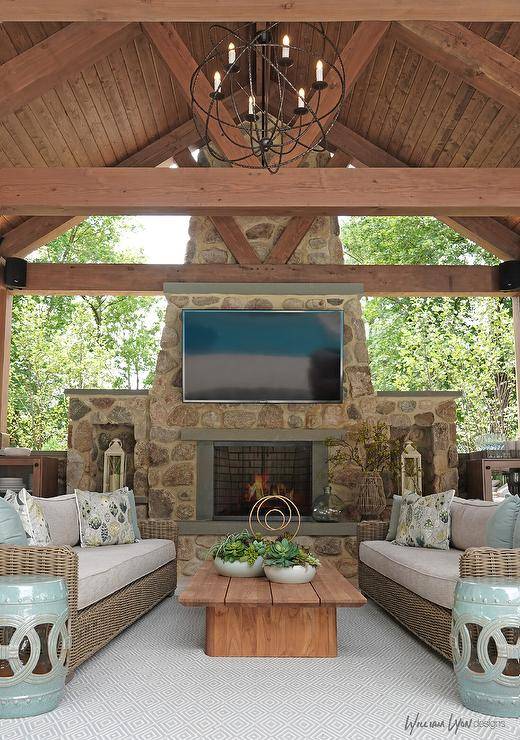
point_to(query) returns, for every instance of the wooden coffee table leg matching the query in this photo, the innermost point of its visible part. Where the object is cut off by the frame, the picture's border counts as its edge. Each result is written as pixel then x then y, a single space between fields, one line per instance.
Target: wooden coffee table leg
pixel 271 631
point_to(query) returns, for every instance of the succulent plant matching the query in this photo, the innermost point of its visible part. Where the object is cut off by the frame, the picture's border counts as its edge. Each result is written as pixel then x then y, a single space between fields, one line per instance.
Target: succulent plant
pixel 239 546
pixel 284 553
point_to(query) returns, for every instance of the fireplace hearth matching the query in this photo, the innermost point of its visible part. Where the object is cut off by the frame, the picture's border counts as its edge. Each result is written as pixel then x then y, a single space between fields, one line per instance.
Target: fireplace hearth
pixel 245 472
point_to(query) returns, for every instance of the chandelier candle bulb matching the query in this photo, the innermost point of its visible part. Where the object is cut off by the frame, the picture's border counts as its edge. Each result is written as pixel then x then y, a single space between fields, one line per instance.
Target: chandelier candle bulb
pixel 319 71
pixel 232 55
pixel 217 81
pixel 285 47
pixel 251 110
pixel 301 98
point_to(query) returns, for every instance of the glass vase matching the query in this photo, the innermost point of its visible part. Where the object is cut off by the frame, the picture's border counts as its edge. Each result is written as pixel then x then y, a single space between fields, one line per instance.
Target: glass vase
pixel 328 507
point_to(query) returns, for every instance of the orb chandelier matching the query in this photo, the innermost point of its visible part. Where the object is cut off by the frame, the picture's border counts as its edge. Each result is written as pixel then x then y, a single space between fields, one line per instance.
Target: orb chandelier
pixel 260 100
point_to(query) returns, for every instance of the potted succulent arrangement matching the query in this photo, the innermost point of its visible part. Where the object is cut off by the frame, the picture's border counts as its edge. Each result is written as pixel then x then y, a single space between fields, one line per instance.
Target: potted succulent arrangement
pixel 287 562
pixel 239 555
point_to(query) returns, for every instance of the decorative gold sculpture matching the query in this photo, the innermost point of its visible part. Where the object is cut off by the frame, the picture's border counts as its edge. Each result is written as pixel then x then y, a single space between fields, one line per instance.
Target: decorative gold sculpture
pixel 286 518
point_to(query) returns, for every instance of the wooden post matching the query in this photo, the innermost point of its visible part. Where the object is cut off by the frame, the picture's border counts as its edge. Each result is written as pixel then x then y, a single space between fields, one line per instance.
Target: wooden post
pixel 516 331
pixel 6 307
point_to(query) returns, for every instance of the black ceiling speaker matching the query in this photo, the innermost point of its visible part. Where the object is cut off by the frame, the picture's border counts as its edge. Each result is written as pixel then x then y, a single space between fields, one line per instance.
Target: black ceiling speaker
pixel 15 272
pixel 509 275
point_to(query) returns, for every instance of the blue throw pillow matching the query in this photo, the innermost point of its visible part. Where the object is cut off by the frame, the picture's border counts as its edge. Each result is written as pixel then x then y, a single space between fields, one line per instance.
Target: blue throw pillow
pixel 11 527
pixel 394 518
pixel 133 512
pixel 501 526
pixel 516 534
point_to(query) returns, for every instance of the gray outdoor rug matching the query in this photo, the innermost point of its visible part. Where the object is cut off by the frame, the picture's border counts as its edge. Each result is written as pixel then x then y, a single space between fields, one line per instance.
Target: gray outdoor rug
pixel 155 682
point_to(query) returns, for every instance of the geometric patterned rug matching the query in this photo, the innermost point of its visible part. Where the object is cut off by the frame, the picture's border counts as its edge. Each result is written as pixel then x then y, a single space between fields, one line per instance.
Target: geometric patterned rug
pixel 154 682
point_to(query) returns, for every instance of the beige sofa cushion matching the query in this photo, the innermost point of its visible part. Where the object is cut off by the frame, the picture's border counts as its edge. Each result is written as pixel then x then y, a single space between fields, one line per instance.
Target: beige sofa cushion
pixel 469 520
pixel 104 570
pixel 61 513
pixel 431 574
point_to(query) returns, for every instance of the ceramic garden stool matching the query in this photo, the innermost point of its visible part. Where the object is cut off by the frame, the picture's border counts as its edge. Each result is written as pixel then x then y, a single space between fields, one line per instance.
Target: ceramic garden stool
pixel 486 662
pixel 34 642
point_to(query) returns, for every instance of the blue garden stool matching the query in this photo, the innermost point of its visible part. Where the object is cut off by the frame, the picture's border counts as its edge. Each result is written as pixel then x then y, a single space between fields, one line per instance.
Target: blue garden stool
pixel 34 642
pixel 485 641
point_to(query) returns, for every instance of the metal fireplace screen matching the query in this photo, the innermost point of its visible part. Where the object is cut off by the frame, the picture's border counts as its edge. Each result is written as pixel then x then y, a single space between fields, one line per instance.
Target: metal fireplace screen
pixel 243 473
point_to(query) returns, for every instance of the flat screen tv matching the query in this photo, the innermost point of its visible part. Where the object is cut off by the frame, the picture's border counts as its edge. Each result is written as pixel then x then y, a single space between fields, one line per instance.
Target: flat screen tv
pixel 237 356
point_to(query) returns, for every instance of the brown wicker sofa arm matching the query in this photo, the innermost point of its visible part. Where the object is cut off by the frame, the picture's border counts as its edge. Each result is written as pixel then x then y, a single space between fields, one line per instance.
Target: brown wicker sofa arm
pixel 159 529
pixel 56 560
pixel 489 561
pixel 371 531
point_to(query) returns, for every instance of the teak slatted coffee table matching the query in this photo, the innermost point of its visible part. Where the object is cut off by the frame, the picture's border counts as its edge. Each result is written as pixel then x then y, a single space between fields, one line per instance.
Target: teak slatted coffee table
pixel 252 617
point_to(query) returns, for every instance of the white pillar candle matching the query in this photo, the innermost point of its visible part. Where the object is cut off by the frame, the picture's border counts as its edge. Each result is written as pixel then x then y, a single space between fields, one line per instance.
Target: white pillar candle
pixel 285 47
pixel 232 55
pixel 251 110
pixel 217 80
pixel 301 98
pixel 319 71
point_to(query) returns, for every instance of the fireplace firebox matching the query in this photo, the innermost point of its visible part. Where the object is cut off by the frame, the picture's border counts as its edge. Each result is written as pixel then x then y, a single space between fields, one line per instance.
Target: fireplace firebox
pixel 244 472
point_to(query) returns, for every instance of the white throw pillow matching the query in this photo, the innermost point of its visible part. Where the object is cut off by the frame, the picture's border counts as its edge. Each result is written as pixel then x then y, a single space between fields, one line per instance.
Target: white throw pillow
pixel 32 516
pixel 61 514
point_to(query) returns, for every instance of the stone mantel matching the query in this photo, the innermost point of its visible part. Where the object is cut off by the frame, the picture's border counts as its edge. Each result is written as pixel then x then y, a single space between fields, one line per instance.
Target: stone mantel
pixel 259 435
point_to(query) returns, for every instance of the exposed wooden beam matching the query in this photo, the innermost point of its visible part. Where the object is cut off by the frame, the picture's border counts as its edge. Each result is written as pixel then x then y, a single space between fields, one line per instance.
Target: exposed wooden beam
pixel 39 230
pixel 289 239
pixel 487 232
pixel 298 228
pixel 380 280
pixel 229 191
pixel 182 66
pixel 478 62
pixel 37 70
pixel 355 56
pixel 6 305
pixel 228 228
pixel 263 10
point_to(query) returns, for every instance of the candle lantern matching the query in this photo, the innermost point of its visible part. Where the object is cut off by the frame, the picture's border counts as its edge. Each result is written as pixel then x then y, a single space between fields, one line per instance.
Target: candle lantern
pixel 114 470
pixel 411 470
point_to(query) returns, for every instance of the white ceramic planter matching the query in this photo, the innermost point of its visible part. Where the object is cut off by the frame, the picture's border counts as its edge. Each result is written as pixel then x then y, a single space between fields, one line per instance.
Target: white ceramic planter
pixel 238 569
pixel 295 574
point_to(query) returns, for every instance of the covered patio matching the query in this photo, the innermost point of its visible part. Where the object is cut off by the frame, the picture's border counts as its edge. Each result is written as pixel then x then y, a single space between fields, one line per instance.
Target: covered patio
pixel 99 116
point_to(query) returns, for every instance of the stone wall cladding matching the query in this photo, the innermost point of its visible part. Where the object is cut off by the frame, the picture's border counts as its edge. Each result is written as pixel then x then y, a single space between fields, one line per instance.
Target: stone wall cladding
pixel 88 411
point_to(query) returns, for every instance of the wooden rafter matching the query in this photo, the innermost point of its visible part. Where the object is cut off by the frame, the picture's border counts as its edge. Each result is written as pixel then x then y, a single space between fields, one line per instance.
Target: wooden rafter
pixel 478 62
pixel 234 192
pixel 487 232
pixel 182 66
pixel 263 10
pixel 355 56
pixel 40 230
pixel 35 71
pixel 298 228
pixel 380 280
pixel 228 228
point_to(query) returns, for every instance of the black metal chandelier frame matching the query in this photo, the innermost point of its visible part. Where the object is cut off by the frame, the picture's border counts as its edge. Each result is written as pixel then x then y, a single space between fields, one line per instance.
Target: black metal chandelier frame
pixel 262 138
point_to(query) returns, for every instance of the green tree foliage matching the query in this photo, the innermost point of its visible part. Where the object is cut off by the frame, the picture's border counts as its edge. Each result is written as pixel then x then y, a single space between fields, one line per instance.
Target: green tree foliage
pixel 63 342
pixel 438 343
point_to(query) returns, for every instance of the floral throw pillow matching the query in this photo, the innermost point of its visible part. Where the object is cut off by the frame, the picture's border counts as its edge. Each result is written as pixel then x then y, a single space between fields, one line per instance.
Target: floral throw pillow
pixel 425 521
pixel 104 518
pixel 32 516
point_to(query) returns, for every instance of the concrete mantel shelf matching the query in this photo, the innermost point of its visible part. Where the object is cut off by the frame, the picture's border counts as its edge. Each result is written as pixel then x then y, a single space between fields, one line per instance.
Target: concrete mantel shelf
pixel 259 435
pixel 104 392
pixel 320 289
pixel 223 527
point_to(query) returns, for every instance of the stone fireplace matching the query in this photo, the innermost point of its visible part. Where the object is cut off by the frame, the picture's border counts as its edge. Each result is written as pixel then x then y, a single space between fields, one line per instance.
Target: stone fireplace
pixel 201 463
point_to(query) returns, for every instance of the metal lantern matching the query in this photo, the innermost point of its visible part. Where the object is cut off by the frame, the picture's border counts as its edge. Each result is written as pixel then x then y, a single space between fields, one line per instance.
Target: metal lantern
pixel 411 470
pixel 114 469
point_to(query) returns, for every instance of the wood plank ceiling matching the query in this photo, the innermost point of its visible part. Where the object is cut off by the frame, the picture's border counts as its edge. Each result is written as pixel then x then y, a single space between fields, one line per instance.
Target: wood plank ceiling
pixel 403 103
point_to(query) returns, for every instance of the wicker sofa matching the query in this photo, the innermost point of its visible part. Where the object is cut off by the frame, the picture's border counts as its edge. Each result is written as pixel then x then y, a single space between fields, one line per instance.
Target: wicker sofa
pixel 425 617
pixel 98 622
